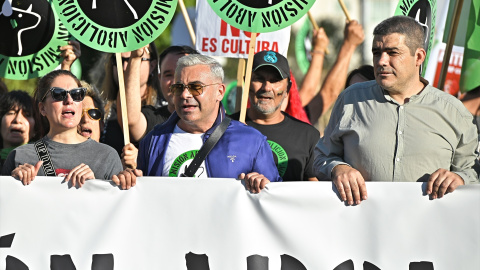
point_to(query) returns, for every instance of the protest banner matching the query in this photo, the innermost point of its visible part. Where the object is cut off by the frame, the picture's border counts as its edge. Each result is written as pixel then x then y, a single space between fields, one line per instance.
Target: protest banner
pixel 185 223
pixel 215 37
pixel 424 12
pixel 31 34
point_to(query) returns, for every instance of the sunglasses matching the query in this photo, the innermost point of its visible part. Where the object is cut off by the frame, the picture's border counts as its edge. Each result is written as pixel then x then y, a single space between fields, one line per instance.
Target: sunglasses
pixel 94 114
pixel 195 89
pixel 60 94
pixel 125 60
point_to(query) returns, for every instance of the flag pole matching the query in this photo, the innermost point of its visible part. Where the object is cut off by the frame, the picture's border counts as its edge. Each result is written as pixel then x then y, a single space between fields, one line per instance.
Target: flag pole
pixel 248 77
pixel 315 26
pixel 123 100
pixel 240 75
pixel 345 10
pixel 188 22
pixel 450 40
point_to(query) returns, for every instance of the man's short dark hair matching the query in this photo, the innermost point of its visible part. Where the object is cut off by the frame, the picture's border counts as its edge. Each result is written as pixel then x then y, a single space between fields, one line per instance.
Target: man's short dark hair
pixel 404 25
pixel 176 50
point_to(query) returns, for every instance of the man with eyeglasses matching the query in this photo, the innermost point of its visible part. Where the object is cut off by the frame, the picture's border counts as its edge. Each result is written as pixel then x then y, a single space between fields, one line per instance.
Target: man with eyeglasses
pixel 142 119
pixel 292 141
pixel 241 152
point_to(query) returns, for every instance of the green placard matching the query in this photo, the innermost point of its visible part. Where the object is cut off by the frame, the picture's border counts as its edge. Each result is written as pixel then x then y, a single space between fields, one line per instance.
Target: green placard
pixel 425 12
pixel 261 16
pixel 31 35
pixel 116 25
pixel 304 33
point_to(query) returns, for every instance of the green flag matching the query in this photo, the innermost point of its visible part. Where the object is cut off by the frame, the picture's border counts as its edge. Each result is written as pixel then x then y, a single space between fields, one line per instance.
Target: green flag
pixel 470 78
pixel 424 12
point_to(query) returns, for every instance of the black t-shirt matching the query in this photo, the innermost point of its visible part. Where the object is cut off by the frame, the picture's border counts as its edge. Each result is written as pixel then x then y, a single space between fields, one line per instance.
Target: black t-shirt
pixel 155 116
pixel 113 134
pixel 293 143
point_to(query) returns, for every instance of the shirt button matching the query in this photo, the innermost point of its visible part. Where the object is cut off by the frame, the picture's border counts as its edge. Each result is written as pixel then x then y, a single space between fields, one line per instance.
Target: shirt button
pixel 401 107
pixel 397 159
pixel 400 132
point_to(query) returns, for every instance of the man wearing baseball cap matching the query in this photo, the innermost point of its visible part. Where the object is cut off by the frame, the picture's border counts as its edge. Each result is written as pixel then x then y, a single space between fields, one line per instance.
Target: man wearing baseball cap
pixel 292 141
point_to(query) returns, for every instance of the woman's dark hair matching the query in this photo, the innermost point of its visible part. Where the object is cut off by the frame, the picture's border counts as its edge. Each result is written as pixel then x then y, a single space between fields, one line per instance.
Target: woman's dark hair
pixel 366 71
pixel 44 85
pixel 18 99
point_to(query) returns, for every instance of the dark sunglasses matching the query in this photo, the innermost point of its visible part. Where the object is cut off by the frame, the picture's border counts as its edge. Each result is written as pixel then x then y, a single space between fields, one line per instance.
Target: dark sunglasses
pixel 125 60
pixel 94 114
pixel 60 94
pixel 195 89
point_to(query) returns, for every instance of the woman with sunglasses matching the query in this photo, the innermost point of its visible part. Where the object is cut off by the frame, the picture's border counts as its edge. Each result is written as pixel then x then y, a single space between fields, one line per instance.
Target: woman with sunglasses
pixel 91 125
pixel 59 96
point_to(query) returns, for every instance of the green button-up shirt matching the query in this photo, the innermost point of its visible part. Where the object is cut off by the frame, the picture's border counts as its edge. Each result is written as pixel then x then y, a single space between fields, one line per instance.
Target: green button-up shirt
pixel 386 141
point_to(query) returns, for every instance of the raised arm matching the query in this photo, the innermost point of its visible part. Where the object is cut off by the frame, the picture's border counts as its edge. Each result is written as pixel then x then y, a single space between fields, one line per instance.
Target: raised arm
pixel 70 53
pixel 335 80
pixel 137 123
pixel 313 77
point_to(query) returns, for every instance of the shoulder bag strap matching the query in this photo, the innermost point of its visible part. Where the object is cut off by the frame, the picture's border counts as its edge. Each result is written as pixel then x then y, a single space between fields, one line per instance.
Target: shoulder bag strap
pixel 206 148
pixel 44 155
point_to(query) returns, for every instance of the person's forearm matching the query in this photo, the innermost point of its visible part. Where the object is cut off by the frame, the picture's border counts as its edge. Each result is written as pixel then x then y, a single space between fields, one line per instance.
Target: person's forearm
pixel 312 79
pixel 335 81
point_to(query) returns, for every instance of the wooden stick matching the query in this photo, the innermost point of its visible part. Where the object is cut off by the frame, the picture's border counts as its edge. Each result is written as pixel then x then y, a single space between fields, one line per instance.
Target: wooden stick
pixel 450 40
pixel 248 77
pixel 123 100
pixel 240 74
pixel 315 26
pixel 181 4
pixel 345 10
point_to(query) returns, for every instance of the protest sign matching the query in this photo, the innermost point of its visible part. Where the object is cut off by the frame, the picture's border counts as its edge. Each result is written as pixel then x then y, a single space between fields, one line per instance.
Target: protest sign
pixel 31 34
pixel 261 16
pixel 115 25
pixel 186 223
pixel 424 12
pixel 216 37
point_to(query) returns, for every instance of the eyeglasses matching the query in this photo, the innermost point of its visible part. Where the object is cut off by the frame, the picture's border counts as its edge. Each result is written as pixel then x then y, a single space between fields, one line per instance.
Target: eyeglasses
pixel 195 89
pixel 60 94
pixel 125 60
pixel 94 114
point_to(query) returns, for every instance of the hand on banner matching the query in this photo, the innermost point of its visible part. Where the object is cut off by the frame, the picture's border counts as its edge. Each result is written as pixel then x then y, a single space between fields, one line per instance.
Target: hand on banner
pixel 353 33
pixel 254 181
pixel 442 182
pixel 127 178
pixel 350 184
pixel 26 172
pixel 319 42
pixel 80 174
pixel 129 156
pixel 70 53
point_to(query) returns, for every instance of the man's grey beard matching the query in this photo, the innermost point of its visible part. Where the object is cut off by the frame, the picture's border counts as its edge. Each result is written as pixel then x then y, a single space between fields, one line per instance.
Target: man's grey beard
pixel 267 110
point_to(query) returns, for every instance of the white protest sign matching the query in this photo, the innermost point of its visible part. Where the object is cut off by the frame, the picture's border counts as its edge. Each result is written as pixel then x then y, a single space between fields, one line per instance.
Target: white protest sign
pixel 217 38
pixel 185 223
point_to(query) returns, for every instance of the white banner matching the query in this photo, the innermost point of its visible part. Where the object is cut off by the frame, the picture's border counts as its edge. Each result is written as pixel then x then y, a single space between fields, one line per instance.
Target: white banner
pixel 215 37
pixel 163 222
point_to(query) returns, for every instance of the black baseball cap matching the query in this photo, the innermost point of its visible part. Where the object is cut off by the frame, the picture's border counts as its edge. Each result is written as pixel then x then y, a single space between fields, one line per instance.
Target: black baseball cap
pixel 273 59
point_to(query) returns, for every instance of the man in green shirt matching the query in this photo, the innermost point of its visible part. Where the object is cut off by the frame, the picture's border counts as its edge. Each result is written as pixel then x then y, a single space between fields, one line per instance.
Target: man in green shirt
pixel 397 128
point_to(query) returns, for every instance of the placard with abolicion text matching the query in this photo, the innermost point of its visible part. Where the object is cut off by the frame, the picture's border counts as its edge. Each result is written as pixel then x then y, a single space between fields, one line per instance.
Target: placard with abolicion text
pixel 116 25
